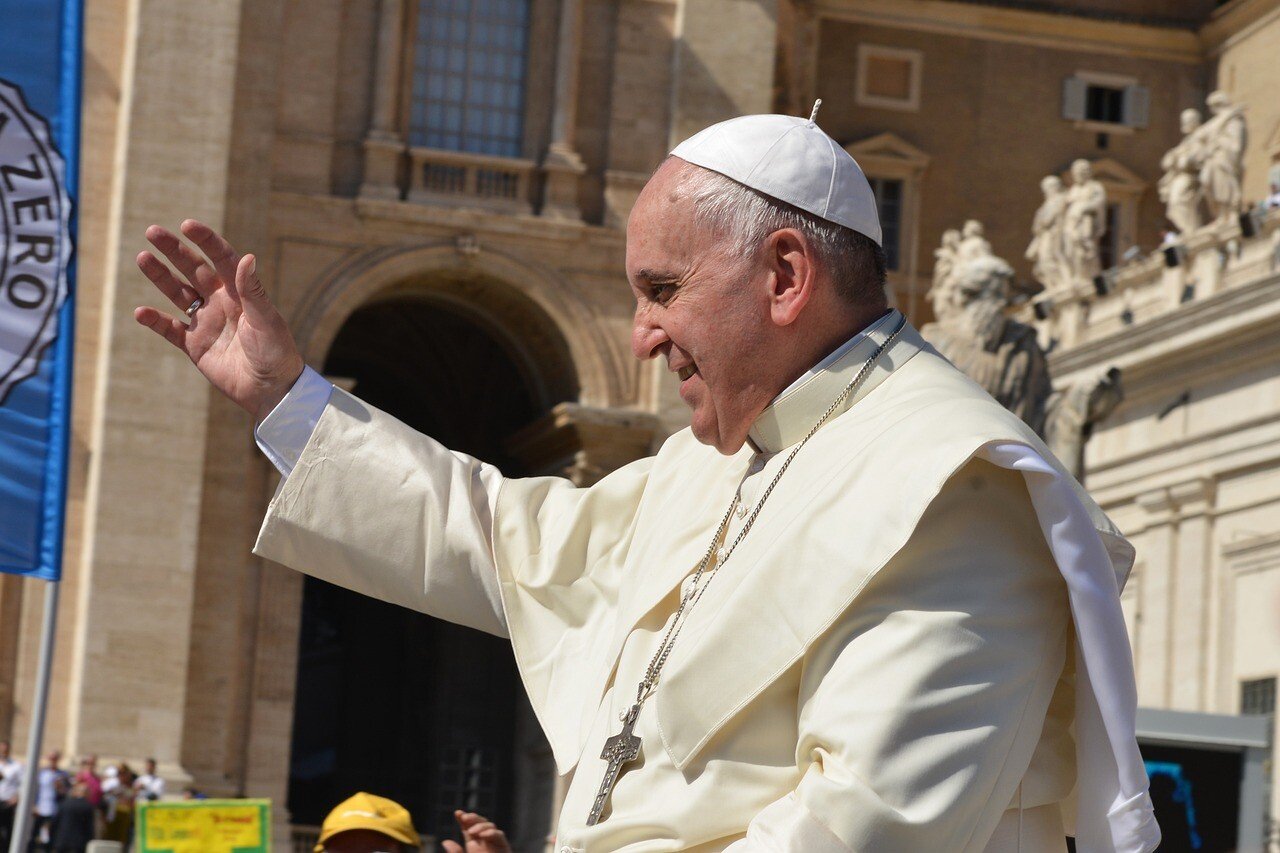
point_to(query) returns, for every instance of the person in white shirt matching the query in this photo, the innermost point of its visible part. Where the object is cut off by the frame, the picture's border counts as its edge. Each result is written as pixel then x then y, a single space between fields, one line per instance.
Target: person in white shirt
pixel 889 660
pixel 10 783
pixel 150 785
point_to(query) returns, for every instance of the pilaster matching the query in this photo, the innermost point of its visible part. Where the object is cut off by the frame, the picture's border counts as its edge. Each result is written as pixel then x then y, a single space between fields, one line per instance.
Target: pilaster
pixel 562 165
pixel 1194 594
pixel 1153 668
pixel 384 147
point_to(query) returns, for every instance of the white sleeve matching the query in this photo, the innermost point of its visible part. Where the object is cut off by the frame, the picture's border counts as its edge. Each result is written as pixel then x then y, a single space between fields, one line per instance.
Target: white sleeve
pixel 285 432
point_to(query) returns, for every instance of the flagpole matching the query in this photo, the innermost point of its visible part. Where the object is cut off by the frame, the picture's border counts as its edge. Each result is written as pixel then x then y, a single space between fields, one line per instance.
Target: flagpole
pixel 22 818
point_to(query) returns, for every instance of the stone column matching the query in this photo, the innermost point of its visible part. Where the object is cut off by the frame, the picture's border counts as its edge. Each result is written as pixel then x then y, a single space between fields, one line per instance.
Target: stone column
pixel 562 165
pixel 1190 643
pixel 123 660
pixel 723 64
pixel 1151 645
pixel 384 146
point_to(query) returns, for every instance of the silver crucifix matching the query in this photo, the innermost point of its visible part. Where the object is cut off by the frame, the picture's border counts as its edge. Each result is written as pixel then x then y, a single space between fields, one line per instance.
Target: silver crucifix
pixel 622 748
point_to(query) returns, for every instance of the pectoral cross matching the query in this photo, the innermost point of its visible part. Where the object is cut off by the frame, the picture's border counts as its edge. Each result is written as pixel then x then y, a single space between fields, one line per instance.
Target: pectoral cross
pixel 622 748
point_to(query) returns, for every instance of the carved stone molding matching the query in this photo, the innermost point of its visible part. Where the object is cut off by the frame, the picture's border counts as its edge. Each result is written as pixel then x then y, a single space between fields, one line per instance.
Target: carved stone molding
pixel 583 443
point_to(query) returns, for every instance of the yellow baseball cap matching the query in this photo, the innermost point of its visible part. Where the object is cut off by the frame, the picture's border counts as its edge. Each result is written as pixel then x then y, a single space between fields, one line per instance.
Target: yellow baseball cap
pixel 367 811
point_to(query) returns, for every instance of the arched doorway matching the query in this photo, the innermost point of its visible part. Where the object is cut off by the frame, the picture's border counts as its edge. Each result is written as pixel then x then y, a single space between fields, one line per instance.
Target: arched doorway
pixel 389 700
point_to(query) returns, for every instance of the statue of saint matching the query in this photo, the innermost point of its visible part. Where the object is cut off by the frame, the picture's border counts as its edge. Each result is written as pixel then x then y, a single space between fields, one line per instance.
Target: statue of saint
pixel 1074 411
pixel 973 244
pixel 1084 221
pixel 998 353
pixel 944 263
pixel 1224 136
pixel 1046 253
pixel 1179 188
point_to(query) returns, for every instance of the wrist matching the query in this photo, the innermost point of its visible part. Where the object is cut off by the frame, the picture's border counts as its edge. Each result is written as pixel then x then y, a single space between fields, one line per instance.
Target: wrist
pixel 277 392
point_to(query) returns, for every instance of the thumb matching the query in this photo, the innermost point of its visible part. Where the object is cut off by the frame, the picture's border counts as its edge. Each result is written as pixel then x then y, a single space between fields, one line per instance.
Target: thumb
pixel 250 292
pixel 451 847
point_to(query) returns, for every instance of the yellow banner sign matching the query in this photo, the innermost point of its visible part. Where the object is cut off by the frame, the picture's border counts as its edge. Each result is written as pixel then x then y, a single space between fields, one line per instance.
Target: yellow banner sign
pixel 204 826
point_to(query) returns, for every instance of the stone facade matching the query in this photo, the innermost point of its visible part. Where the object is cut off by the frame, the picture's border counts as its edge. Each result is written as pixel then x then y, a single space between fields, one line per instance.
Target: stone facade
pixel 283 123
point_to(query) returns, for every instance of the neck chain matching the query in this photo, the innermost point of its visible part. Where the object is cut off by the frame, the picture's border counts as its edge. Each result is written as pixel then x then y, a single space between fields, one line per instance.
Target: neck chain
pixel 624 747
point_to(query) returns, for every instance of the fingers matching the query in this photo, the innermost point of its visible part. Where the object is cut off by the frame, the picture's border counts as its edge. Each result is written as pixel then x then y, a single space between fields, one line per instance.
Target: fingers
pixel 215 248
pixel 185 259
pixel 251 293
pixel 181 295
pixel 451 847
pixel 163 325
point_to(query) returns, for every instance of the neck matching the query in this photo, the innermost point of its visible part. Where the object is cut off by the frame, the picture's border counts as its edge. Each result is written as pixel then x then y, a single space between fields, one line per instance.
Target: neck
pixel 813 345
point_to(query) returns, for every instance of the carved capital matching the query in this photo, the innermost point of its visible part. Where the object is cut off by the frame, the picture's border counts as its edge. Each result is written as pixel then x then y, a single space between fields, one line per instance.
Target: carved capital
pixel 583 443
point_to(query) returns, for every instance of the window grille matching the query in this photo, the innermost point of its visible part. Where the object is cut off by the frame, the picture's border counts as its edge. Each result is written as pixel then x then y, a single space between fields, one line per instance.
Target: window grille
pixel 468 76
pixel 1258 697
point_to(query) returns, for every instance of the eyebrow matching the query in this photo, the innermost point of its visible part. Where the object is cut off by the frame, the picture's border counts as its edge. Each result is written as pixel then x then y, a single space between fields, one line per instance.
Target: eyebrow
pixel 651 275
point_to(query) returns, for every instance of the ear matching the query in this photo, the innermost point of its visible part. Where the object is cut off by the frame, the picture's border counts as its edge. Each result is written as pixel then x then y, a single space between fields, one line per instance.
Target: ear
pixel 792 262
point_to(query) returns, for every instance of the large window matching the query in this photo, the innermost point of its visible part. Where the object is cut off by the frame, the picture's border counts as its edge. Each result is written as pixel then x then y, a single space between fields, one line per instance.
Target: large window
pixel 468 75
pixel 888 195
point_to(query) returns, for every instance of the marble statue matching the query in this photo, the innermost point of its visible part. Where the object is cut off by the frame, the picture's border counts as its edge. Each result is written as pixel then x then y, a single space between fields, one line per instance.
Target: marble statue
pixel 976 335
pixel 971 298
pixel 1046 250
pixel 1074 411
pixel 1084 220
pixel 1224 137
pixel 972 242
pixel 1179 187
pixel 944 263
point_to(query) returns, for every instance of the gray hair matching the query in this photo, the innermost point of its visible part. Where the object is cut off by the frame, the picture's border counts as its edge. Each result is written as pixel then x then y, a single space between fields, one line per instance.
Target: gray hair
pixel 745 217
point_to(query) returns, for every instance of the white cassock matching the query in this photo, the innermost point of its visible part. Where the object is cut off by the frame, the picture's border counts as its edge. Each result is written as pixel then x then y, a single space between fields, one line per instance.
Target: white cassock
pixel 885 663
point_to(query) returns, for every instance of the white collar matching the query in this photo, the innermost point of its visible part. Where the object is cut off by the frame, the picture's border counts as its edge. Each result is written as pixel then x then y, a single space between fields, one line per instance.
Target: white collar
pixel 794 412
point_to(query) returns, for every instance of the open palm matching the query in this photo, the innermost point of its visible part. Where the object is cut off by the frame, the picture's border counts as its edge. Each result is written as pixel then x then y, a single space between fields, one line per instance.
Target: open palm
pixel 236 337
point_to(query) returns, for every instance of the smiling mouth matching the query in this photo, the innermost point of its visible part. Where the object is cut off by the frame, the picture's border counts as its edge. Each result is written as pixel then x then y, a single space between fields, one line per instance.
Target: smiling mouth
pixel 685 372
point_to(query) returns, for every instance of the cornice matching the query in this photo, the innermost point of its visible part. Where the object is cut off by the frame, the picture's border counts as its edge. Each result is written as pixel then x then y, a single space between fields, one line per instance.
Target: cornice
pixel 458 219
pixel 1235 21
pixel 1191 333
pixel 1022 26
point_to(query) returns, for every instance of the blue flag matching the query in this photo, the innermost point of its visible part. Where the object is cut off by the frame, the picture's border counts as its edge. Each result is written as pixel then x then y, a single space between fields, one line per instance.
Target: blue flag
pixel 40 61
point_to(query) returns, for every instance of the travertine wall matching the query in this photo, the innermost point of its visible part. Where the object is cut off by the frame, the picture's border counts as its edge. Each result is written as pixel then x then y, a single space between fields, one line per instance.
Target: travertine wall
pixel 990 118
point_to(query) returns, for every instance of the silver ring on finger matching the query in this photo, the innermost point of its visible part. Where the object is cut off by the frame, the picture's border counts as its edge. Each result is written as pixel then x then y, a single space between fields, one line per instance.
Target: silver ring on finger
pixel 195 306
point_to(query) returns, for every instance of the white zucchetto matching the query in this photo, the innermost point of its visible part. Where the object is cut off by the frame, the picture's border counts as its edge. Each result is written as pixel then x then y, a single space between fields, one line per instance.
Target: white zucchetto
pixel 790 159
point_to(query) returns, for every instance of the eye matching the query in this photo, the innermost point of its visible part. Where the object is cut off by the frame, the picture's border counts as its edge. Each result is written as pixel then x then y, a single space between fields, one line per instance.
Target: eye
pixel 661 292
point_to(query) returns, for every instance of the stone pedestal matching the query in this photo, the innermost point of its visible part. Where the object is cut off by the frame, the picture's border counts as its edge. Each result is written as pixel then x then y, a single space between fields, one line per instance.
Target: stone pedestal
pixel 384 159
pixel 583 443
pixel 562 168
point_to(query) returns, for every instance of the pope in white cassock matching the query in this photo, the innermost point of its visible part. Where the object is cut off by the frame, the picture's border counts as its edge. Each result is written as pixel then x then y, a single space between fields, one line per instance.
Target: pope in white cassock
pixel 856 606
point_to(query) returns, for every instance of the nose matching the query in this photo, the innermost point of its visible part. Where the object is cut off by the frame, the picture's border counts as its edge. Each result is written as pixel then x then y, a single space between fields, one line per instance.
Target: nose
pixel 647 337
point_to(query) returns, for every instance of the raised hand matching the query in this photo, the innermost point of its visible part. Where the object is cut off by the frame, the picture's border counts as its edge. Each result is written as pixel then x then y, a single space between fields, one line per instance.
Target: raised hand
pixel 480 835
pixel 236 337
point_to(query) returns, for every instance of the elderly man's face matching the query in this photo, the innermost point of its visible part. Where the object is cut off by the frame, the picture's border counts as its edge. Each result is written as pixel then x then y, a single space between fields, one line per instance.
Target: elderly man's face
pixel 703 310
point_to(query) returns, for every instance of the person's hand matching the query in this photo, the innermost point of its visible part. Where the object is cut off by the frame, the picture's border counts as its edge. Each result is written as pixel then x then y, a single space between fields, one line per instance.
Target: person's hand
pixel 480 835
pixel 237 338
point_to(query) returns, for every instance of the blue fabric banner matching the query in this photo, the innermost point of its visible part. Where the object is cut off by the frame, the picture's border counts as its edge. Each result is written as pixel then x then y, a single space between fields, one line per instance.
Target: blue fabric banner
pixel 40 62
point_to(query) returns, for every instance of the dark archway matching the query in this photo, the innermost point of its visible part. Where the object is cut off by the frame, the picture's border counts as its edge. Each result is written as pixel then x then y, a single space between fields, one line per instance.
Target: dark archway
pixel 388 700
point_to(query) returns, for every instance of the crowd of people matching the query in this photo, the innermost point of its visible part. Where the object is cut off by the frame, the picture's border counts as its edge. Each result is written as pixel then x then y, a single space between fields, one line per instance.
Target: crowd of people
pixel 75 806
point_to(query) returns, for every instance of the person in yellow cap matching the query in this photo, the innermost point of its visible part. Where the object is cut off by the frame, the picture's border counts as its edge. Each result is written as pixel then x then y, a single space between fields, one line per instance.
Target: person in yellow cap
pixel 365 823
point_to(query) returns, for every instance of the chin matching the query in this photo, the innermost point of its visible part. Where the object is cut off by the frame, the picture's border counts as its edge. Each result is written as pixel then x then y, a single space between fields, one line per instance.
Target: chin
pixel 710 434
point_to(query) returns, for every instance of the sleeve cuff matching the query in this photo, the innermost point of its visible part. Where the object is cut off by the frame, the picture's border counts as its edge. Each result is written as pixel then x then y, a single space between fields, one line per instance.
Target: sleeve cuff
pixel 284 433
